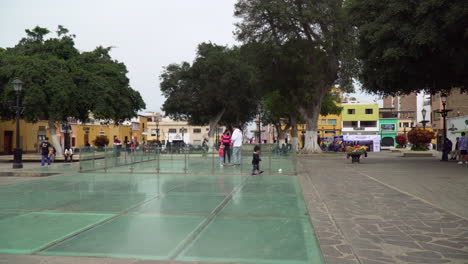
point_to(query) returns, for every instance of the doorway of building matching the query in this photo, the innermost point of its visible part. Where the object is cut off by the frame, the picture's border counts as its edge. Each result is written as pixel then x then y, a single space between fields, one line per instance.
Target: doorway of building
pixel 86 139
pixel 8 145
pixel 388 142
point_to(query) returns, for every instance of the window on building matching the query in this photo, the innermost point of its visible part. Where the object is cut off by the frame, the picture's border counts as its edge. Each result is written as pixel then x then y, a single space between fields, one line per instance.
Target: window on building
pixel 368 123
pixel 143 125
pixel 172 130
pixel 369 111
pixel 153 132
pixel 102 132
pixel 323 122
pixel 329 132
pixel 351 111
pixel 197 130
pixel 183 130
pixel 207 129
pixel 332 121
pixel 347 124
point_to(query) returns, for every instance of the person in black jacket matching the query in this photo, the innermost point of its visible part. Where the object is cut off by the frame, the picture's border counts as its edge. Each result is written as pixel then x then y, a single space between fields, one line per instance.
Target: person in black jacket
pixel 256 161
pixel 45 145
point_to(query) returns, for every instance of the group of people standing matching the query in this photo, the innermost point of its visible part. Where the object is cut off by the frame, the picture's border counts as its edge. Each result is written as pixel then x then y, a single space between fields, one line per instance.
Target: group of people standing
pixel 230 145
pixel 460 152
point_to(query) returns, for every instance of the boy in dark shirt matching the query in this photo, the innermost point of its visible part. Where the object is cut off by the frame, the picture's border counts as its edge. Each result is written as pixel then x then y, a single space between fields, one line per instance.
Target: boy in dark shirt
pixel 256 161
pixel 45 145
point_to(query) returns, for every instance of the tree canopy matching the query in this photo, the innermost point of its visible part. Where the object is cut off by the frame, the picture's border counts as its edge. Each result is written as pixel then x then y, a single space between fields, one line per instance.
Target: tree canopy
pixel 217 87
pixel 312 50
pixel 409 46
pixel 61 82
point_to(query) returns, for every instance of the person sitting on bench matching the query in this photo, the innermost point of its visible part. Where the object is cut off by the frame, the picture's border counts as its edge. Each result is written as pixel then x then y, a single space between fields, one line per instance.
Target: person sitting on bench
pixel 68 153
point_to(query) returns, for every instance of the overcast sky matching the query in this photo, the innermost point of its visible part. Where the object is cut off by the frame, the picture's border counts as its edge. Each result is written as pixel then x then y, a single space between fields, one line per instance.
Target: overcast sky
pixel 146 34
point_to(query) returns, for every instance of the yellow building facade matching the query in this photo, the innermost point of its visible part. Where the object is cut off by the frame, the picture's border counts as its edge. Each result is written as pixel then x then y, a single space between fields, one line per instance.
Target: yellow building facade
pixel 81 134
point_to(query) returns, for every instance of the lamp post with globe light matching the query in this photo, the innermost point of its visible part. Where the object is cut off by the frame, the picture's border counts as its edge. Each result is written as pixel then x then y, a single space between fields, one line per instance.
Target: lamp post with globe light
pixel 444 113
pixel 424 121
pixel 18 152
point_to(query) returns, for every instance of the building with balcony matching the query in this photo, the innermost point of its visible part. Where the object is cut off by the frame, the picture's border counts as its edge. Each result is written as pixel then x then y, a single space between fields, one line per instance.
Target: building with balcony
pixel 360 119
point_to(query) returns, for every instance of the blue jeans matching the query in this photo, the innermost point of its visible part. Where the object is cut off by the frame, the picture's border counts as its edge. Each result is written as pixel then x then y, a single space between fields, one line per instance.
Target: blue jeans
pixel 221 161
pixel 44 158
pixel 236 156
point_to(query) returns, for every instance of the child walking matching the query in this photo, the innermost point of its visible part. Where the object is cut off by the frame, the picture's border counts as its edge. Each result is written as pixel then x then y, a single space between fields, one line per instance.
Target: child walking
pixel 256 161
pixel 221 155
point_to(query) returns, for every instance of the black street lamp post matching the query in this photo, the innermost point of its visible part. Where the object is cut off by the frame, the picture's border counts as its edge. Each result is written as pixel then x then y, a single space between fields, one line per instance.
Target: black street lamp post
pixel 157 129
pixel 67 129
pixel 183 130
pixel 444 113
pixel 424 121
pixel 18 152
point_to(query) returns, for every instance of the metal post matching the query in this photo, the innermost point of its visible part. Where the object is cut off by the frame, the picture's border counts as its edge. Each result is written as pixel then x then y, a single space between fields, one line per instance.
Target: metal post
pixel 444 115
pixel 158 157
pixel 105 159
pixel 18 152
pixel 269 160
pixel 212 162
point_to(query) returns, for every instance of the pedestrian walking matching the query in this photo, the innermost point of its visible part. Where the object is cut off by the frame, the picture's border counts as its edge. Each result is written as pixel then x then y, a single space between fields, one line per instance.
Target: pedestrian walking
pixel 117 146
pixel 226 141
pixel 447 149
pixel 221 152
pixel 237 140
pixel 256 161
pixel 463 145
pixel 44 146
pixel 456 152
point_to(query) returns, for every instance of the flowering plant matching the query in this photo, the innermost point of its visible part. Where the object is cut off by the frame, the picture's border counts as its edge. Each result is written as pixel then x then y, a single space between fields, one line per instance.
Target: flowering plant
pixel 356 150
pixel 401 140
pixel 419 137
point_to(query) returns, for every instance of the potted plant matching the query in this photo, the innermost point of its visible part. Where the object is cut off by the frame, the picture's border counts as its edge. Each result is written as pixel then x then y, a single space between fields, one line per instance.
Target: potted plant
pixel 420 137
pixel 355 152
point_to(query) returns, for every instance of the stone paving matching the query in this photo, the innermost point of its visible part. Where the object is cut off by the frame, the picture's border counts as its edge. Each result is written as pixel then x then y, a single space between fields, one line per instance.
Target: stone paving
pixel 362 219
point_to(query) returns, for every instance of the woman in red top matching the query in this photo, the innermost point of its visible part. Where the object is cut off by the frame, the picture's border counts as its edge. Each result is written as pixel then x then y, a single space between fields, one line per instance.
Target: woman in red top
pixel 226 141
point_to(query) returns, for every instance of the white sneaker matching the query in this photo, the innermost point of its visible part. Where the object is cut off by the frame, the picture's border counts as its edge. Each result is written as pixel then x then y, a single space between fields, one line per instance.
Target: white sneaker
pixel 460 162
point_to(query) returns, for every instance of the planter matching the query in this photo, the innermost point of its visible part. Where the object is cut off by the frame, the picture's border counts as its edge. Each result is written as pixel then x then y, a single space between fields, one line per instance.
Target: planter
pixel 355 158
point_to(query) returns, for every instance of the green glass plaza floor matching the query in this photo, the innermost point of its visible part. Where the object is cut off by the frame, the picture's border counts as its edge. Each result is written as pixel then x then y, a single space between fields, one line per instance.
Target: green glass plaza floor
pixel 225 218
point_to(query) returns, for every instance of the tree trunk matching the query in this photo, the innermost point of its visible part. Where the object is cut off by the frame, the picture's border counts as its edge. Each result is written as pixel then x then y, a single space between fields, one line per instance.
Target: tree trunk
pixel 311 115
pixel 53 135
pixel 281 134
pixel 294 136
pixel 211 134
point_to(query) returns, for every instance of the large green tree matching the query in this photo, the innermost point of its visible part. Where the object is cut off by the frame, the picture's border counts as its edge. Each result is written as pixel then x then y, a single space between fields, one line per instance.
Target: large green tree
pixel 315 45
pixel 217 88
pixel 61 83
pixel 410 46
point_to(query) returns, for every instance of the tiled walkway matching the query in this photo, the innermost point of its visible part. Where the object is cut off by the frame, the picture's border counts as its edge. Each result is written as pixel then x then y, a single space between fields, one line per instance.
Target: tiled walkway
pixel 388 209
